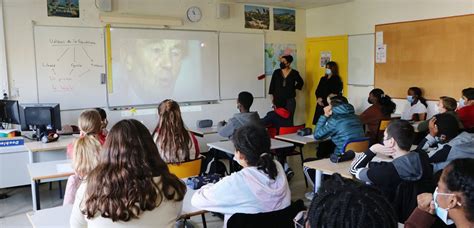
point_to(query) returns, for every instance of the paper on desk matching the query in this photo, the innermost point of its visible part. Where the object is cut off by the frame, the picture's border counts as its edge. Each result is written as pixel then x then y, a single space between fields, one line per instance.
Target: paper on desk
pixel 64 168
pixel 309 136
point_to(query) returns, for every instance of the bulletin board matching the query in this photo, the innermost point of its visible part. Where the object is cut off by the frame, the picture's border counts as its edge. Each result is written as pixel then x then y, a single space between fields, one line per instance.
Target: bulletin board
pixel 436 55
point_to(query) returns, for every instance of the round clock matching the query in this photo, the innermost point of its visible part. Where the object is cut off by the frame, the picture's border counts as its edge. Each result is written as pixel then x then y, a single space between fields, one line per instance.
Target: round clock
pixel 194 14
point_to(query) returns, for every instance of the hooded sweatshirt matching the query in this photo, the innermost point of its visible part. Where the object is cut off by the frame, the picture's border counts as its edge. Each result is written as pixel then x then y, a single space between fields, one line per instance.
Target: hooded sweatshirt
pixel 237 121
pixel 280 117
pixel 462 146
pixel 248 191
pixel 342 126
pixel 387 176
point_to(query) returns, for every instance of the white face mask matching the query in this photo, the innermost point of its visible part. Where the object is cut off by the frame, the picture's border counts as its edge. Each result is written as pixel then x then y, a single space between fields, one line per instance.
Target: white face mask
pixel 441 212
pixel 462 103
pixel 410 99
pixel 328 71
pixel 236 159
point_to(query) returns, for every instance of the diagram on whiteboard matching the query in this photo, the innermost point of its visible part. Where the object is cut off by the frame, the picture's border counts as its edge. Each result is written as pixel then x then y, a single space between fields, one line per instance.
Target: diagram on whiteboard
pixel 70 63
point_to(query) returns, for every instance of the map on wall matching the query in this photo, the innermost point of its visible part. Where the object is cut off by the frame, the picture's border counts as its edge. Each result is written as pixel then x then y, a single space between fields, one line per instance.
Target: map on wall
pixel 273 52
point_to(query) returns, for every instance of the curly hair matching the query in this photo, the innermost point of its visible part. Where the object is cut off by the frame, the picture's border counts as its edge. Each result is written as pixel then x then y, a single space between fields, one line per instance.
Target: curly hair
pixel 459 177
pixel 345 203
pixel 123 184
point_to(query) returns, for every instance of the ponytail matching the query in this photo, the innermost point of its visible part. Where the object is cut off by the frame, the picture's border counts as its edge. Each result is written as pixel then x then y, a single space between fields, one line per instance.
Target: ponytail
pixel 254 143
pixel 388 106
pixel 85 154
pixel 267 165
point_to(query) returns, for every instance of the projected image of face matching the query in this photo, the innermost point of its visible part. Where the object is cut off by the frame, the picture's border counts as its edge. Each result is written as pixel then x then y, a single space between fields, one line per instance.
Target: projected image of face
pixel 156 65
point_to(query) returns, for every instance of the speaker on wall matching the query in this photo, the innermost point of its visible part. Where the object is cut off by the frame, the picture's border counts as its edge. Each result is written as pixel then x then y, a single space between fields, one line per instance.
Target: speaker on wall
pixel 104 5
pixel 223 11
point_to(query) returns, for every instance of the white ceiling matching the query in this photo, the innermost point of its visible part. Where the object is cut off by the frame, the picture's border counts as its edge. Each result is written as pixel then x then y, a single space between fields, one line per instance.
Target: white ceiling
pixel 299 4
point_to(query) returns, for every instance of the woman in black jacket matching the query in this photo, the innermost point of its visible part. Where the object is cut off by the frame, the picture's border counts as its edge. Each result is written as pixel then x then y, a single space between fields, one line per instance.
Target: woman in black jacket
pixel 330 83
pixel 285 81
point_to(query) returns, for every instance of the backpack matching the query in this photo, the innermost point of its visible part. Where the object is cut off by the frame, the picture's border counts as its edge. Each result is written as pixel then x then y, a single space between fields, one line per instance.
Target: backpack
pixel 216 167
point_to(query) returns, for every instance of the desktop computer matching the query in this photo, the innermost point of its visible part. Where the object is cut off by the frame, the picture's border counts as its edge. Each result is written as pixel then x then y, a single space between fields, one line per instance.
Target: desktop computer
pixel 42 118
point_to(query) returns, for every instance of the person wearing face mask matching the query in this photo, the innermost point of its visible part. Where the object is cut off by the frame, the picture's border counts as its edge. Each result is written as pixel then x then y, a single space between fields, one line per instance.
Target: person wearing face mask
pixel 381 108
pixel 260 186
pixel 285 81
pixel 444 143
pixel 452 201
pixel 405 166
pixel 445 105
pixel 330 83
pixel 416 108
pixel 466 109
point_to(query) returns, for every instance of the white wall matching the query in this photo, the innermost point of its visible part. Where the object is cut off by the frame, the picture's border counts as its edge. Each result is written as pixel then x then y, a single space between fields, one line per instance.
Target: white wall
pixel 361 16
pixel 19 14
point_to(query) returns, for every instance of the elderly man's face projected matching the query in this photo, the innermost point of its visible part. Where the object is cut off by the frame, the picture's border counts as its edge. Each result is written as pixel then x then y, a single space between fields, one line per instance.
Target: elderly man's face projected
pixel 157 66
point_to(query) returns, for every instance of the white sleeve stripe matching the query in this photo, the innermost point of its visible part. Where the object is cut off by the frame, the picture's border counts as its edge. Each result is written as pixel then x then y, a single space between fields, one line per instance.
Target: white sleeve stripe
pixel 356 162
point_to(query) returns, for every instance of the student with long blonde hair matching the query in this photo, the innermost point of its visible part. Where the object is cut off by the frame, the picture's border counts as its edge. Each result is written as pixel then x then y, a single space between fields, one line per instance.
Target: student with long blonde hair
pixel 131 186
pixel 85 158
pixel 175 143
pixel 90 123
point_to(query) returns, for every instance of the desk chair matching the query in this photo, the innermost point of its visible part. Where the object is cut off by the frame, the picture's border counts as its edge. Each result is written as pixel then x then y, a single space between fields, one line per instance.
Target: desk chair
pixel 186 169
pixel 277 219
pixel 359 145
pixel 383 124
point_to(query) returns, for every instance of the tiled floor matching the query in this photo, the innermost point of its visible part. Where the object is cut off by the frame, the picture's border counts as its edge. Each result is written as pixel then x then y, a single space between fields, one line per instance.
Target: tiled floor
pixel 13 209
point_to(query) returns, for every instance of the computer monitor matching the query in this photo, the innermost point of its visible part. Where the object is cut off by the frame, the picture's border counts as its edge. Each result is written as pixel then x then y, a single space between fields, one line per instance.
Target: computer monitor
pixel 9 112
pixel 40 116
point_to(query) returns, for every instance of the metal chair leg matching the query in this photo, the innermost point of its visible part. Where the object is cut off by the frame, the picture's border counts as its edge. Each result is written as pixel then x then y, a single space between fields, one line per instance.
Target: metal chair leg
pixel 60 190
pixel 203 216
pixel 302 166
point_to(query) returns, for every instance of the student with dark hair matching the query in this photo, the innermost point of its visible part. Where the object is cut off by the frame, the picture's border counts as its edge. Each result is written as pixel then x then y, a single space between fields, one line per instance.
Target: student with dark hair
pixel 261 185
pixel 466 108
pixel 279 116
pixel 444 143
pixel 406 165
pixel 445 105
pixel 244 102
pixel 330 83
pixel 416 108
pixel 342 203
pixel 131 186
pixel 285 81
pixel 105 122
pixel 452 201
pixel 340 124
pixel 381 108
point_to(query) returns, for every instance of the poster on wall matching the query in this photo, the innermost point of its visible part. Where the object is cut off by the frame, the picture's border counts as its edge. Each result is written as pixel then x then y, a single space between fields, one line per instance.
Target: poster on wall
pixel 381 53
pixel 284 19
pixel 325 57
pixel 273 52
pixel 257 17
pixel 63 8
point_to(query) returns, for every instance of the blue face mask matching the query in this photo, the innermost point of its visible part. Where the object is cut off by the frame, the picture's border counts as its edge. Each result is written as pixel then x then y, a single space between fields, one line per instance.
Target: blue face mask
pixel 328 71
pixel 410 99
pixel 441 212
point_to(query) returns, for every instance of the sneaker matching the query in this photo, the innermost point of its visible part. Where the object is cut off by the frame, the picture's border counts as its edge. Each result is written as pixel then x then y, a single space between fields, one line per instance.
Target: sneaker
pixel 309 195
pixel 289 174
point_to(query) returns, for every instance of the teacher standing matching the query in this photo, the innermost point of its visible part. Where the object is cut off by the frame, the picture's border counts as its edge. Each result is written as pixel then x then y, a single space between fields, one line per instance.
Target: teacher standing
pixel 330 83
pixel 285 81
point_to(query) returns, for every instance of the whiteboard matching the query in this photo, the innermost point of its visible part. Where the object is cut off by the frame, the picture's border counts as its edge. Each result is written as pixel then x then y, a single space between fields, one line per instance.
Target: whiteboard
pixel 150 65
pixel 70 62
pixel 361 59
pixel 242 60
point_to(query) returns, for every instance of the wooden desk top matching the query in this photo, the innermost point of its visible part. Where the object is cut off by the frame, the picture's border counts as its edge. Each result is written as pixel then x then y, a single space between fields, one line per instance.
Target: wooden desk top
pixel 61 144
pixel 49 170
pixel 59 216
pixel 328 167
pixel 228 146
pixel 295 138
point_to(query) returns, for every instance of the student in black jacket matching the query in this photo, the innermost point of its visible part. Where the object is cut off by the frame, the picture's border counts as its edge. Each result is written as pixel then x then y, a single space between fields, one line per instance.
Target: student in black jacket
pixel 406 165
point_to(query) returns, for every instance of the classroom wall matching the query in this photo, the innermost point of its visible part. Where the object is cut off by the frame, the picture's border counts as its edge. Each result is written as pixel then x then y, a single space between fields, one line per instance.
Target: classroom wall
pixel 361 16
pixel 19 14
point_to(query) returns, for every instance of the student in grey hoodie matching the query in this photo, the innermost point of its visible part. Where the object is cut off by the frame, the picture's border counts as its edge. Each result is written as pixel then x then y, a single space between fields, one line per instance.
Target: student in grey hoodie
pixel 244 117
pixel 406 165
pixel 444 143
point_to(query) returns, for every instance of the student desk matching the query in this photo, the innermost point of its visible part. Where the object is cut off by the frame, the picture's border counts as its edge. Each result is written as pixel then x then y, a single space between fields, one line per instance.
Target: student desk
pixel 59 216
pixel 47 171
pixel 201 132
pixel 228 146
pixel 325 166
